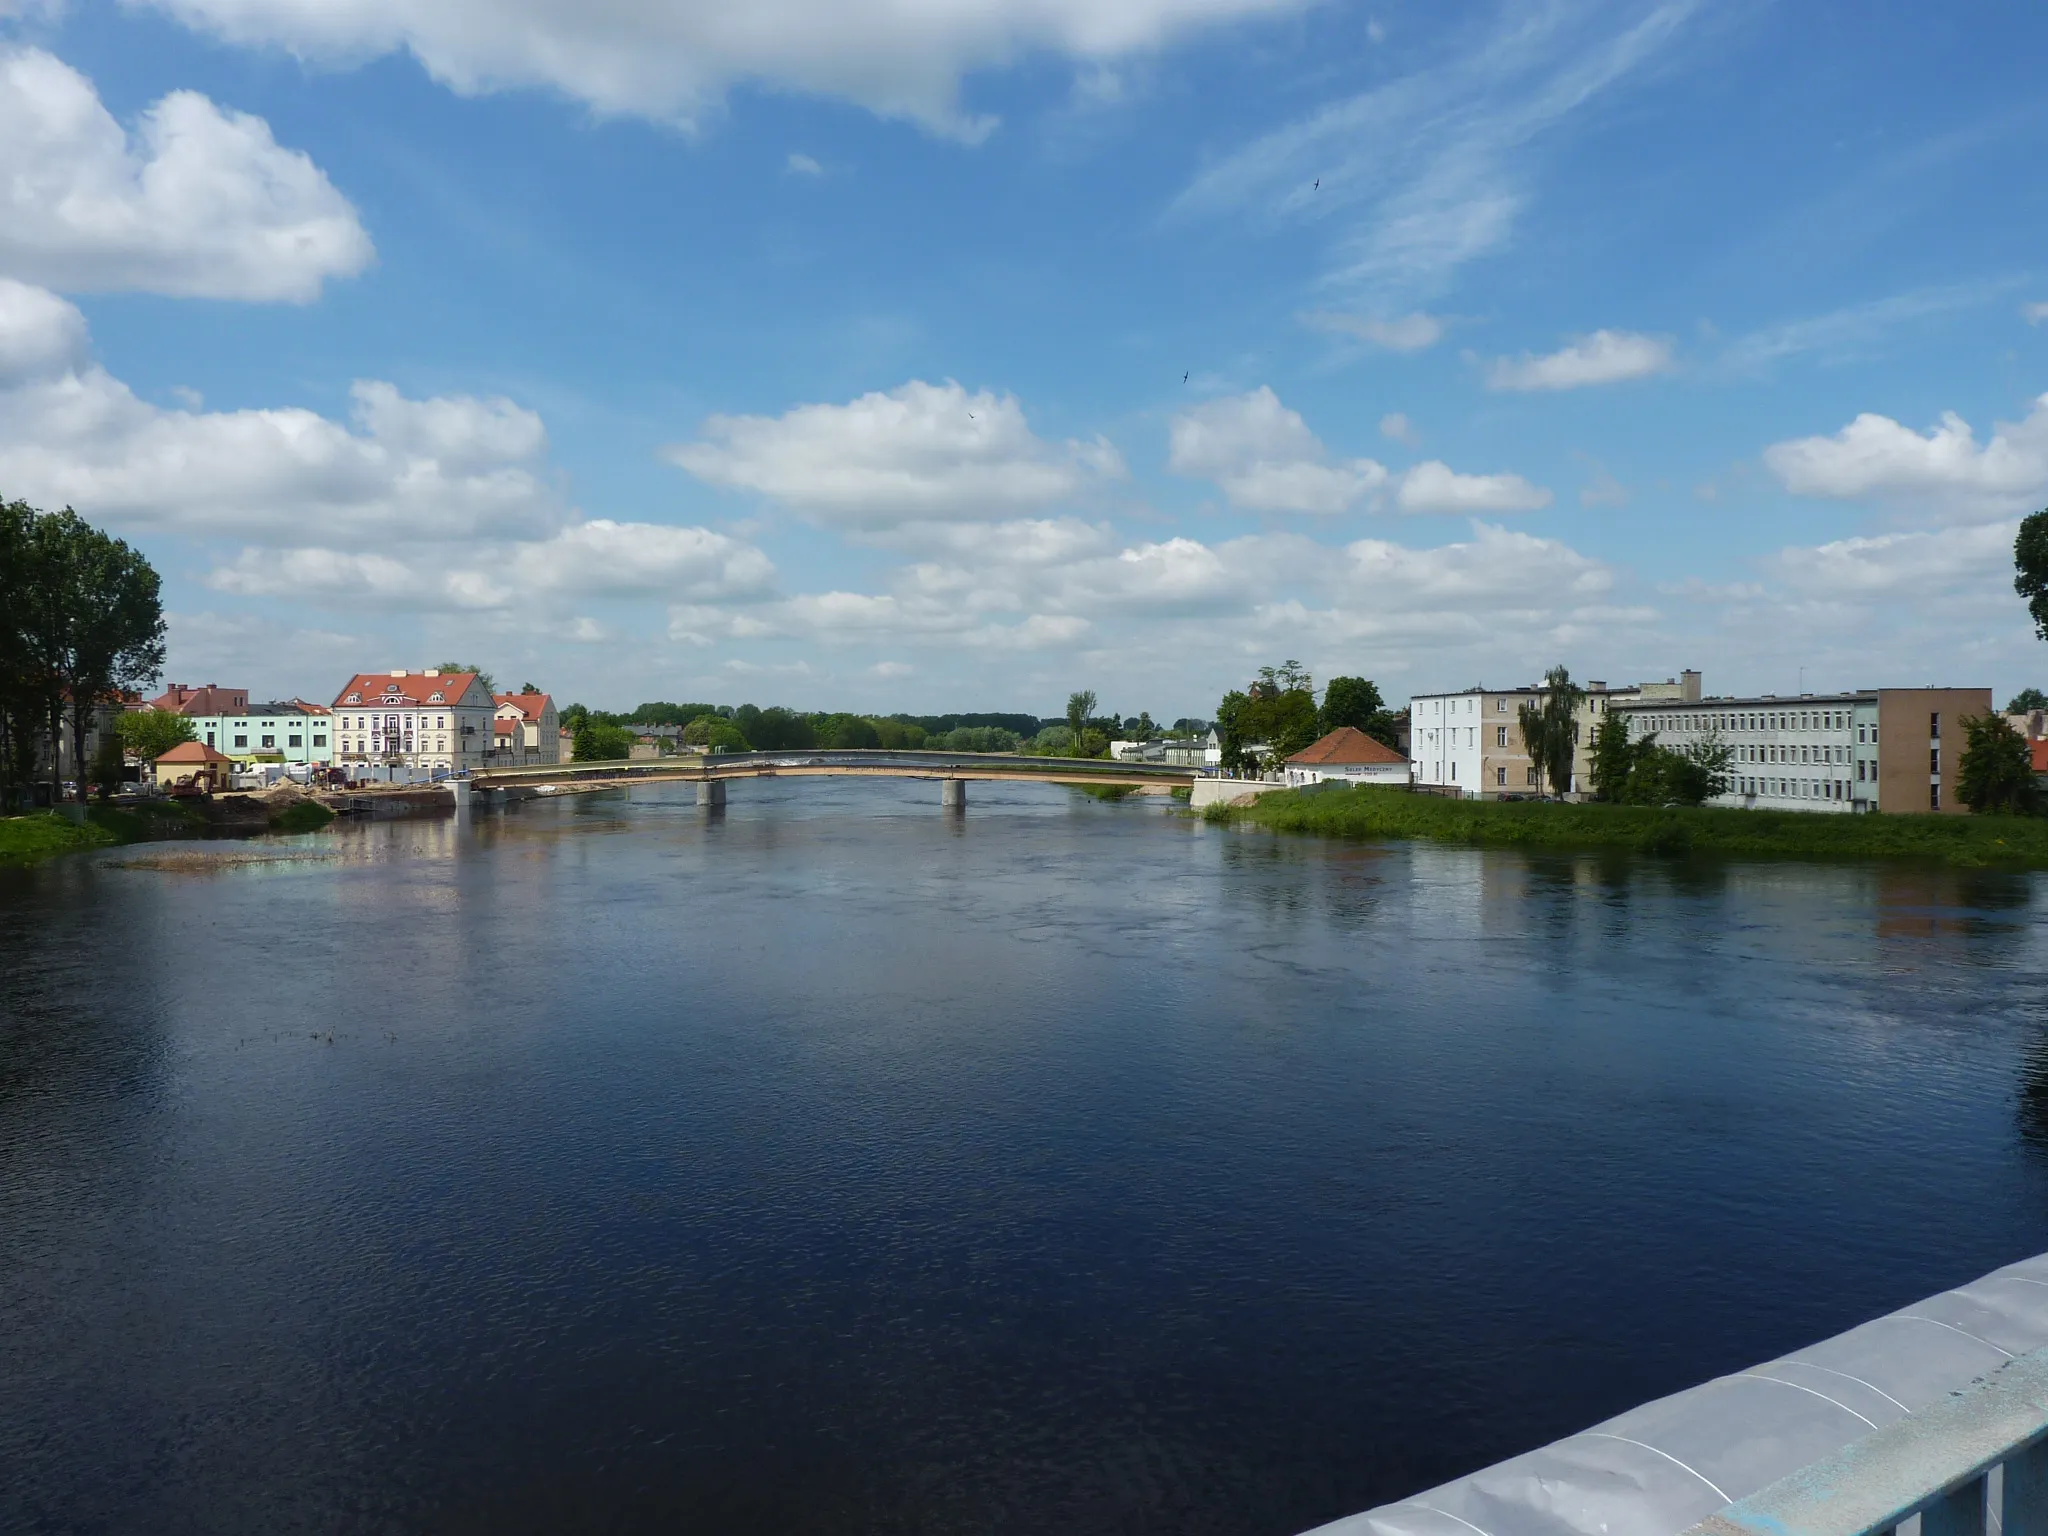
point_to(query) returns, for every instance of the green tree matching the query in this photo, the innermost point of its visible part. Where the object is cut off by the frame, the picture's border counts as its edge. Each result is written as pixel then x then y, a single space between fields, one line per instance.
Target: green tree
pixel 24 679
pixel 847 733
pixel 1276 713
pixel 528 688
pixel 482 676
pixel 1614 758
pixel 2030 565
pixel 150 733
pixel 1998 769
pixel 107 765
pixel 1356 702
pixel 1079 707
pixel 2026 701
pixel 594 741
pixel 1550 730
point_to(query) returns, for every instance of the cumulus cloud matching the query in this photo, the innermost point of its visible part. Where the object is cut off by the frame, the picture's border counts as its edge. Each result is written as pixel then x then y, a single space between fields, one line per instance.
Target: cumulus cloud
pixel 1605 357
pixel 71 433
pixel 599 558
pixel 918 453
pixel 674 61
pixel 1405 333
pixel 1436 487
pixel 1875 457
pixel 1919 561
pixel 196 202
pixel 1395 427
pixel 1265 458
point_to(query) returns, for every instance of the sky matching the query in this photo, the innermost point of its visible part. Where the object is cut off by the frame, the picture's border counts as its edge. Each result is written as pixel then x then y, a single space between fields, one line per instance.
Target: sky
pixel 953 355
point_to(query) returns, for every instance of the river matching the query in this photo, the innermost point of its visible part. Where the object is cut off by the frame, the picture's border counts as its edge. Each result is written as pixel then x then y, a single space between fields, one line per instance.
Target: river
pixel 837 1164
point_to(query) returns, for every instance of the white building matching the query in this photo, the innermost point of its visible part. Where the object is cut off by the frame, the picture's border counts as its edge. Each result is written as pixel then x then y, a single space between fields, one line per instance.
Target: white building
pixel 527 729
pixel 430 723
pixel 1348 756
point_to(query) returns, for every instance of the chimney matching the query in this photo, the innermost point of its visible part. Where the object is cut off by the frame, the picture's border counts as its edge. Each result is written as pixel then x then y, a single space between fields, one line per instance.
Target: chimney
pixel 1595 686
pixel 398 671
pixel 1690 691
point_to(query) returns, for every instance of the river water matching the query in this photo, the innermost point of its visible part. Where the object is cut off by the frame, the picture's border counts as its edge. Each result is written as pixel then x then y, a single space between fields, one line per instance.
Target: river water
pixel 834 1164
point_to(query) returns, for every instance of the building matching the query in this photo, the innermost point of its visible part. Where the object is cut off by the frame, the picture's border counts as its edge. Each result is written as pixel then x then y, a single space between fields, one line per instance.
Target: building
pixel 282 731
pixel 535 730
pixel 413 724
pixel 179 699
pixel 195 763
pixel 1469 743
pixel 1346 756
pixel 1882 749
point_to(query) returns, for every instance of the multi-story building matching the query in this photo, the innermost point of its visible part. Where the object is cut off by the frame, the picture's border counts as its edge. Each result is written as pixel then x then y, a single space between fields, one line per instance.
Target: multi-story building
pixel 430 723
pixel 282 731
pixel 1469 743
pixel 527 728
pixel 1883 749
pixel 181 699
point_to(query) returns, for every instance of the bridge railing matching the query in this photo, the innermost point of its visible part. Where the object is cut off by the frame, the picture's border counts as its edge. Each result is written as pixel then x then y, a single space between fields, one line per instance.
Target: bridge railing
pixel 1979 1453
pixel 923 762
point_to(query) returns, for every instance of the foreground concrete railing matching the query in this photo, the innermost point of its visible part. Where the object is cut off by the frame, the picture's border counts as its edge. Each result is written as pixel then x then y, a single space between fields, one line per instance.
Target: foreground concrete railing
pixel 1975 1454
pixel 1935 1415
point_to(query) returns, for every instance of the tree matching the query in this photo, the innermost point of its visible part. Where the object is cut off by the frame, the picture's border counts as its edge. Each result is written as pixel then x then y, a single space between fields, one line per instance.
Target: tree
pixel 1550 730
pixel 1356 702
pixel 596 742
pixel 1079 707
pixel 22 666
pixel 481 675
pixel 1998 769
pixel 525 688
pixel 1277 712
pixel 2030 562
pixel 150 733
pixel 2026 701
pixel 1614 758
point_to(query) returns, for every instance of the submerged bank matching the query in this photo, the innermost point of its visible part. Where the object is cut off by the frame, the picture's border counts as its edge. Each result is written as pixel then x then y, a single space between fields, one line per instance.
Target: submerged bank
pixel 41 835
pixel 1368 811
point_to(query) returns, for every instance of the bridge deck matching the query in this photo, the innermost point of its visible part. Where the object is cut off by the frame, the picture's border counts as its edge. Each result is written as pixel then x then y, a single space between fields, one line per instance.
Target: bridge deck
pixel 898 765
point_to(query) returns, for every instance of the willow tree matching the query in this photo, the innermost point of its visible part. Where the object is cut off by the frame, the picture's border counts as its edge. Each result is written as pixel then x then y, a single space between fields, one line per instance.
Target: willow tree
pixel 1550 730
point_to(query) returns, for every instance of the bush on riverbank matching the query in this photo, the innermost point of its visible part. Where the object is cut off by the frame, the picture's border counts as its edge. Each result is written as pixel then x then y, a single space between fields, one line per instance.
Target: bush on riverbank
pixel 1367 811
pixel 301 816
pixel 44 834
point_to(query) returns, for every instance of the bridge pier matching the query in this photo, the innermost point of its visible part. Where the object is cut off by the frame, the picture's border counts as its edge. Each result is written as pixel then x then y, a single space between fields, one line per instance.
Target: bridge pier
pixel 459 788
pixel 953 794
pixel 711 792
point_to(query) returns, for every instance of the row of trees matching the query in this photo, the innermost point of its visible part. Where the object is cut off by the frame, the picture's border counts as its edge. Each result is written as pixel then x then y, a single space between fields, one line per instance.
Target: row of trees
pixel 1276 715
pixel 81 624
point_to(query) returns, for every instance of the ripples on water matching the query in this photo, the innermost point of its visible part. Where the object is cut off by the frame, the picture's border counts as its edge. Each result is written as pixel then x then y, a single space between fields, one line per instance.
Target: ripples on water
pixel 838 1165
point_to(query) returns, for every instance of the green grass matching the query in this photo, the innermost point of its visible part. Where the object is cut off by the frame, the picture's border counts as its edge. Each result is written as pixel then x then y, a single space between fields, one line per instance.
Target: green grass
pixel 1365 811
pixel 301 816
pixel 44 834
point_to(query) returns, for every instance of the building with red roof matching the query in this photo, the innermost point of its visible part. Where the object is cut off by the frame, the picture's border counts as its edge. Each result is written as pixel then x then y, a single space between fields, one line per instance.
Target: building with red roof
pixel 1348 756
pixel 531 728
pixel 428 723
pixel 193 762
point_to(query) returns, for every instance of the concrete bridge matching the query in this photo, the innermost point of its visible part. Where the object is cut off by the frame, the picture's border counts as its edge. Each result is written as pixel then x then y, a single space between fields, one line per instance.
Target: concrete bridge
pixel 953 770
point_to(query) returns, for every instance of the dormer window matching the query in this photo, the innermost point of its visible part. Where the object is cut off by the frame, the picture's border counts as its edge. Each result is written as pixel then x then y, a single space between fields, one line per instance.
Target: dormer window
pixel 354 698
pixel 435 698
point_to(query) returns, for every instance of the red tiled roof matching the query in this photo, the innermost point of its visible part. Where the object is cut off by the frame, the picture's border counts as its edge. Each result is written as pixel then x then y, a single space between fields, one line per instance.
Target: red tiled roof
pixel 193 752
pixel 210 700
pixel 1346 744
pixel 2040 751
pixel 372 688
pixel 531 705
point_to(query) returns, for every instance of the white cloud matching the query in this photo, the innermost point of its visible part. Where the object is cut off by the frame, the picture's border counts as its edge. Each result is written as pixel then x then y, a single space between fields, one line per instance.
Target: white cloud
pixel 1605 357
pixel 600 558
pixel 1266 459
pixel 892 669
pixel 1874 457
pixel 674 61
pixel 1856 330
pixel 919 453
pixel 1405 333
pixel 1950 560
pixel 1435 487
pixel 197 202
pixel 2035 313
pixel 71 433
pixel 803 165
pixel 1395 427
pixel 1431 170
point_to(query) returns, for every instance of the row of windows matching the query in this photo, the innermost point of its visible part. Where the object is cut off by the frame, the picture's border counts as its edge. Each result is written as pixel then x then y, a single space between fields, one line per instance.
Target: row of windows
pixel 1762 720
pixel 392 723
pixel 1770 754
pixel 1795 789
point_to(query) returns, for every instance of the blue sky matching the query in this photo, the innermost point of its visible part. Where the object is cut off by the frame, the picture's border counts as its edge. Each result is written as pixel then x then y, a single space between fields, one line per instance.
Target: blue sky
pixel 833 353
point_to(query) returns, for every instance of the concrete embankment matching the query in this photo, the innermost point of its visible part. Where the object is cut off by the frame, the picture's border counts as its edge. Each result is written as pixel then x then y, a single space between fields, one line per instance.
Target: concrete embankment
pixel 1208 792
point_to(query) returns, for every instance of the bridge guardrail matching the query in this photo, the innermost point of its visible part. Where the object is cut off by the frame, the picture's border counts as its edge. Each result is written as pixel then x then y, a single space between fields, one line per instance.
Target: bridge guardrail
pixel 932 762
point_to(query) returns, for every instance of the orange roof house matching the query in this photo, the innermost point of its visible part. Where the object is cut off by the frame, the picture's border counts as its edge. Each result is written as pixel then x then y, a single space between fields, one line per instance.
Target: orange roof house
pixel 192 760
pixel 1348 755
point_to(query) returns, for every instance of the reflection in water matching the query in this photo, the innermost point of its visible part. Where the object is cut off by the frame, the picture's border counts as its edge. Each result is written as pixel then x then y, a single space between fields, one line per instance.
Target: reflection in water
pixel 834 1163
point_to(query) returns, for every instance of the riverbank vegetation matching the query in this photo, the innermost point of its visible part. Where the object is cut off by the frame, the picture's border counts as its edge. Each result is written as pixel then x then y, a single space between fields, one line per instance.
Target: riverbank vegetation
pixel 1373 812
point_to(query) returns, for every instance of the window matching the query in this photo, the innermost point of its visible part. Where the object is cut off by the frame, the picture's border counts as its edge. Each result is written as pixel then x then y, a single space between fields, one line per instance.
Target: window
pixel 354 698
pixel 1532 778
pixel 241 741
pixel 1500 777
pixel 269 742
pixel 1934 725
pixel 295 741
pixel 209 738
pixel 1500 737
pixel 1934 797
pixel 319 741
pixel 1934 760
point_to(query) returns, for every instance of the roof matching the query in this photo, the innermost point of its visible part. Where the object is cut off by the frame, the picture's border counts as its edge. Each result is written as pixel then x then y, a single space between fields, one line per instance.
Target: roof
pixel 1346 744
pixel 417 688
pixel 210 700
pixel 531 705
pixel 503 727
pixel 193 752
pixel 2040 752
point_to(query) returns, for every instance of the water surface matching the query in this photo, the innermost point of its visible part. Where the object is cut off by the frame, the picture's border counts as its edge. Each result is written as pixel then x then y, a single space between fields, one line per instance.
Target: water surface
pixel 836 1164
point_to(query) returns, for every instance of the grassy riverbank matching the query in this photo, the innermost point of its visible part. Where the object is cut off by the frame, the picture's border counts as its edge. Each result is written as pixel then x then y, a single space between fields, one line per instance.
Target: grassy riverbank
pixel 1372 812
pixel 45 834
